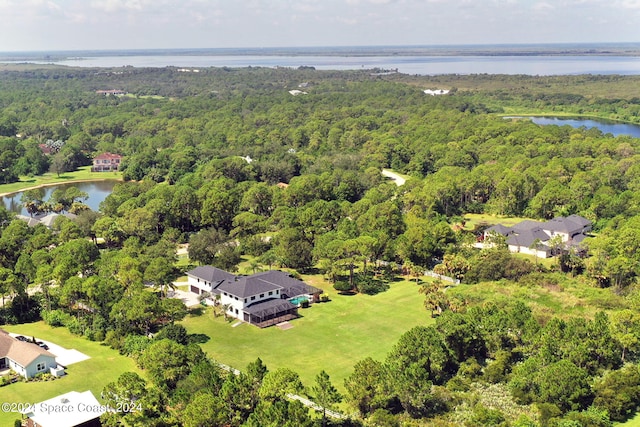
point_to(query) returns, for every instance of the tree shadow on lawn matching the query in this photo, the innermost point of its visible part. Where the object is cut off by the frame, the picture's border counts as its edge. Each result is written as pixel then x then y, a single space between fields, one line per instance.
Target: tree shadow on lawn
pixel 195 311
pixel 198 338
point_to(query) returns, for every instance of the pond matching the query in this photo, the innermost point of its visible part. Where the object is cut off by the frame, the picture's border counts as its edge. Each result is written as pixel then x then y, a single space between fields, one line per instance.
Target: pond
pixel 97 191
pixel 614 128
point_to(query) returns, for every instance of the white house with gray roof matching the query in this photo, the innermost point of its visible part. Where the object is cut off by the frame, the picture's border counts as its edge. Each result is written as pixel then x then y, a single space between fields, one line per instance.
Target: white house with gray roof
pixel 535 237
pixel 262 299
pixel 25 358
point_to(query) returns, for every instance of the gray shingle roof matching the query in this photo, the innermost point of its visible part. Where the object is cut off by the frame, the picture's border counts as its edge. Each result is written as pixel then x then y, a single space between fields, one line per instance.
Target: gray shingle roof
pixel 245 287
pixel 211 274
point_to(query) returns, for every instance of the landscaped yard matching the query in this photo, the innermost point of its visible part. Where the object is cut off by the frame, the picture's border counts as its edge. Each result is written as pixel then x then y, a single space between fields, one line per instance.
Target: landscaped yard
pixel 82 174
pixel 332 336
pixel 104 366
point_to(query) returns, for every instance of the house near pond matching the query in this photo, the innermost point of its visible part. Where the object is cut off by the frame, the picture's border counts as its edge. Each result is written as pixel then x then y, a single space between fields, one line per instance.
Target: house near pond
pixel 539 238
pixel 106 162
pixel 26 358
pixel 262 299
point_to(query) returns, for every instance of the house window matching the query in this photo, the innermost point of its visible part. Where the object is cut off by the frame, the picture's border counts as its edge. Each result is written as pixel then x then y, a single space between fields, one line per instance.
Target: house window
pixel 253 298
pixel 236 311
pixel 270 293
pixel 236 298
pixel 245 300
pixel 261 295
pixel 41 366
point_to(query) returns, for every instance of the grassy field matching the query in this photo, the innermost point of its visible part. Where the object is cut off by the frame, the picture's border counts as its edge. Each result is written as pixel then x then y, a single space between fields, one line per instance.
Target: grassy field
pixel 567 298
pixel 633 422
pixel 104 366
pixel 82 174
pixel 332 336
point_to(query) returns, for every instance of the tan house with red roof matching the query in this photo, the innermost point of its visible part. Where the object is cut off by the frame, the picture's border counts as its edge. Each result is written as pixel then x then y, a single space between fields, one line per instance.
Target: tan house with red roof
pixel 106 162
pixel 26 358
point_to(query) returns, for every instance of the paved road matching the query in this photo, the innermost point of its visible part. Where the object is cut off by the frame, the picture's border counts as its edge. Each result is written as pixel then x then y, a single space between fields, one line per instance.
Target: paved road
pixel 394 176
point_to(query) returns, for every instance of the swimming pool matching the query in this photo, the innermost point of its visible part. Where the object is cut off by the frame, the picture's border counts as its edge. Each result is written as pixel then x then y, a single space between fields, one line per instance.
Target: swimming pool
pixel 298 300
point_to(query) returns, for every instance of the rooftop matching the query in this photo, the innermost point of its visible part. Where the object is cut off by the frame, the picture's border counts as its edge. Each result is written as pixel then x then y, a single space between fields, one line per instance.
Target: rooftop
pixel 19 351
pixel 71 409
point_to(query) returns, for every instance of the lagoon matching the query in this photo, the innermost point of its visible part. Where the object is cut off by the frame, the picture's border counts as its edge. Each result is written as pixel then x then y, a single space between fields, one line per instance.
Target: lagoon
pixel 97 191
pixel 614 128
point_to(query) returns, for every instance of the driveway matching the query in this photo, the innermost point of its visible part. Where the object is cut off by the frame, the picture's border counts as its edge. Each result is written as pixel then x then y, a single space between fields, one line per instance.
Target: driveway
pixel 188 298
pixel 63 355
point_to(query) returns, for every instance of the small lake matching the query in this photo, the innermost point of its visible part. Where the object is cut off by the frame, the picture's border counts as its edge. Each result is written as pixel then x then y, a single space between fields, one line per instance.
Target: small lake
pixel 615 129
pixel 97 191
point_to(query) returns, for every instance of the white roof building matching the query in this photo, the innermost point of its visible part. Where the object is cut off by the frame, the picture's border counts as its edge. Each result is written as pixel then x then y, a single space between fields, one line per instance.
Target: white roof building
pixel 67 410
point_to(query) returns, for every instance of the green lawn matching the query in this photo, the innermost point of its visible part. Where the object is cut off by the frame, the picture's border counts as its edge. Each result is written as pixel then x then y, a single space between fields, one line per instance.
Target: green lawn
pixel 104 366
pixel 473 220
pixel 82 174
pixel 332 336
pixel 633 422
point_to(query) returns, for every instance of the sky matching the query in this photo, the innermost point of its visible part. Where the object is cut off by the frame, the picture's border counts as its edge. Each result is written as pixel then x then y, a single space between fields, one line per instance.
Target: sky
pixel 50 25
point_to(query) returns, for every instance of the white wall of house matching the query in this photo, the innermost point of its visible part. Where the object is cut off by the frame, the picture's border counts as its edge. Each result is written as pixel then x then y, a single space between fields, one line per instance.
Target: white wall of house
pixel 238 304
pixel 41 365
pixel 565 236
pixel 528 251
pixel 198 283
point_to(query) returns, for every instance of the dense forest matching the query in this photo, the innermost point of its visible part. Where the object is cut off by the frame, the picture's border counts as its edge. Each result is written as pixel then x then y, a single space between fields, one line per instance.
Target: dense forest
pixel 229 161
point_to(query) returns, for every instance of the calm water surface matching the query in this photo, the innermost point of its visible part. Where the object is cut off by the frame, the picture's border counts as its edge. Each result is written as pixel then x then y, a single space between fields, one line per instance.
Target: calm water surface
pixel 613 128
pixel 423 65
pixel 97 191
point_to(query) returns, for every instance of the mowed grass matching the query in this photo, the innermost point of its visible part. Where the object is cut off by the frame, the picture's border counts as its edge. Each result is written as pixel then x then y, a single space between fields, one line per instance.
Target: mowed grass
pixel 81 174
pixel 474 220
pixel 332 336
pixel 104 366
pixel 633 422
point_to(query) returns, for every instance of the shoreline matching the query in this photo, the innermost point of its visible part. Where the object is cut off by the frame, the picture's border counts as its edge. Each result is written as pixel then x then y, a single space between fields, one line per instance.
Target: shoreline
pixel 50 184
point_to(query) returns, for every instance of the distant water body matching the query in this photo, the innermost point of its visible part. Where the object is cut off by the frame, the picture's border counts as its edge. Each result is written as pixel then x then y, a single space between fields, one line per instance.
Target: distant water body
pixel 525 59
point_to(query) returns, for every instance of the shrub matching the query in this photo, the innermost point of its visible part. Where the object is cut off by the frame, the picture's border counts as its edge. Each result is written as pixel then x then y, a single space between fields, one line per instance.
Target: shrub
pixel 342 286
pixel 55 318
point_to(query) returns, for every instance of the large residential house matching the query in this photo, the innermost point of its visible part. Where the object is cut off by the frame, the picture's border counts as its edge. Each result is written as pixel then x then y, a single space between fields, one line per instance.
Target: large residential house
pixel 538 238
pixel 262 299
pixel 106 162
pixel 71 409
pixel 25 358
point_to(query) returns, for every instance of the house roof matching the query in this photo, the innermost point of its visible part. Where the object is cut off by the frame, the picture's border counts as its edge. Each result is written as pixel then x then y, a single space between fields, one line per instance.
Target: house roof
pixel 527 237
pixel 271 306
pixel 291 286
pixel 211 274
pixel 579 220
pixel 563 225
pixel 20 352
pixel 500 229
pixel 247 286
pixel 525 225
pixel 72 409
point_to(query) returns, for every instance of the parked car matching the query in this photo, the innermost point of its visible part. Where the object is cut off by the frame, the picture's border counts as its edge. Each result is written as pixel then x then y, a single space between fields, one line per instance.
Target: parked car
pixel 42 345
pixel 21 338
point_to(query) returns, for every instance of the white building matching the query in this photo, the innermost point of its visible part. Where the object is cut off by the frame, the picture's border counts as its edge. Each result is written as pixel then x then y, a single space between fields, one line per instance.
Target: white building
pixel 262 299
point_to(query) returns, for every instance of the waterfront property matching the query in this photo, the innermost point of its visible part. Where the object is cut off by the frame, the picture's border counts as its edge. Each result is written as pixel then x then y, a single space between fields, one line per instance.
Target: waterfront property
pixel 26 358
pixel 539 238
pixel 106 162
pixel 262 299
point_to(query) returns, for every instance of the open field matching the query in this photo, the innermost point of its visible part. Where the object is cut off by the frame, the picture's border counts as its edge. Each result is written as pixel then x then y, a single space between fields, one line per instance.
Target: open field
pixel 564 298
pixel 104 366
pixel 474 220
pixel 82 174
pixel 332 336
